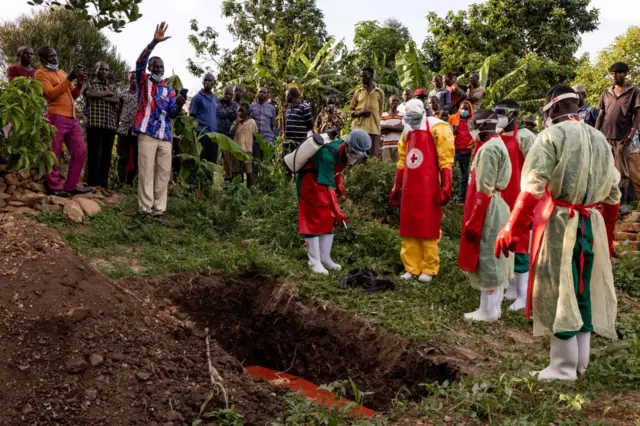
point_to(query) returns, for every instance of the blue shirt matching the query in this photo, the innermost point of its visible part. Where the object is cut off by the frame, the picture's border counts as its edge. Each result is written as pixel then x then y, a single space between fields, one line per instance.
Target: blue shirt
pixel 444 97
pixel 203 108
pixel 265 117
pixel 226 113
pixel 588 114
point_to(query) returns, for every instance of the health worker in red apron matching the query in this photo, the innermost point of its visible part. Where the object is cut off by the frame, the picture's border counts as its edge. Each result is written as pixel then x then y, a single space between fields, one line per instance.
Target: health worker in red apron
pixel 568 172
pixel 422 186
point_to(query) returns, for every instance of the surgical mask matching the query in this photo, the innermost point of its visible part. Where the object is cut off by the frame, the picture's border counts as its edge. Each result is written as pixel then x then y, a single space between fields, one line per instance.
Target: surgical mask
pixel 502 123
pixel 52 67
pixel 464 114
pixel 156 78
pixel 474 134
pixel 354 157
pixel 548 122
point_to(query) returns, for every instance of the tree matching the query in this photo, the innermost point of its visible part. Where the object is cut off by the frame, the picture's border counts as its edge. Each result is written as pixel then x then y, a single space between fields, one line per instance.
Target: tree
pixel 113 14
pixel 375 42
pixel 205 43
pixel 76 40
pixel 595 76
pixel 510 30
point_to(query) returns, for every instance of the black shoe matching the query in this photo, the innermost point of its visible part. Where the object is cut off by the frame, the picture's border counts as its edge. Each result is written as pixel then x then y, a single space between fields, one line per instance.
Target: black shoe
pixel 61 193
pixel 84 190
pixel 160 218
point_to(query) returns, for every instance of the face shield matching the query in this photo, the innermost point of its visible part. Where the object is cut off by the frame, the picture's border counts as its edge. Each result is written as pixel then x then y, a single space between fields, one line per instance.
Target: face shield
pixel 548 121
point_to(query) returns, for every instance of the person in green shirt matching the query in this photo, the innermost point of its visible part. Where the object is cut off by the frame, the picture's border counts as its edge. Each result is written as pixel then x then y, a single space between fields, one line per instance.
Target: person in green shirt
pixel 366 110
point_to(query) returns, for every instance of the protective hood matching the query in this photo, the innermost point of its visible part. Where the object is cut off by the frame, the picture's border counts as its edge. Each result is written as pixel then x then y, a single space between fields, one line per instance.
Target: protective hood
pixel 454 120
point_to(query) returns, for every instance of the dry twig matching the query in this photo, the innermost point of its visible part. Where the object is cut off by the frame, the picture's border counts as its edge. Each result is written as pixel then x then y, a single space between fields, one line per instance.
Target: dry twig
pixel 216 378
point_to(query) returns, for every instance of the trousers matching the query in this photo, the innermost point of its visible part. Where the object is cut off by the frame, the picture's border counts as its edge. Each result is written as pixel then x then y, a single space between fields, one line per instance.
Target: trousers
pixel 463 159
pixel 127 158
pixel 99 147
pixel 154 173
pixel 420 255
pixel 68 132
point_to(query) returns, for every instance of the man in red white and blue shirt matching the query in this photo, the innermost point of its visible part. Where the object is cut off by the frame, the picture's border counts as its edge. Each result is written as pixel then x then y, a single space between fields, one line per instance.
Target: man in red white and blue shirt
pixel 157 106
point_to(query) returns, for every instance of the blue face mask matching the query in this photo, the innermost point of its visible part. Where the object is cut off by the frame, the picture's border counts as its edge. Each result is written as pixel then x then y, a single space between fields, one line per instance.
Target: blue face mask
pixel 52 67
pixel 464 114
pixel 156 78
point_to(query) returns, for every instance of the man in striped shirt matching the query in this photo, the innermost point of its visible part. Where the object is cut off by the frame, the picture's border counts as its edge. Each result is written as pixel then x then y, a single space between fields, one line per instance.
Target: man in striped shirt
pixel 298 120
pixel 157 105
pixel 391 127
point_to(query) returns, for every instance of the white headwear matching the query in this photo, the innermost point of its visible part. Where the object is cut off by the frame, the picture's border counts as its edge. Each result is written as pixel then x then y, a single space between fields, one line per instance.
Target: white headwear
pixel 414 113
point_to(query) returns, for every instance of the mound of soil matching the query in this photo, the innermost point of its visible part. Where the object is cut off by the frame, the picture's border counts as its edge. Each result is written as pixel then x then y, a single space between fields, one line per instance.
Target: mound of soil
pixel 260 321
pixel 78 349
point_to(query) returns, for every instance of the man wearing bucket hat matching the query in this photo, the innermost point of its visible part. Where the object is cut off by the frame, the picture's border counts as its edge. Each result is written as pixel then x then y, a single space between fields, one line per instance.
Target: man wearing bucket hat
pixel 319 182
pixel 422 186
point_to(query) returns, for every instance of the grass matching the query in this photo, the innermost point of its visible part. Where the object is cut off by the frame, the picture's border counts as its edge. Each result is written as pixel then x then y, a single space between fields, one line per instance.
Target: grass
pixel 242 230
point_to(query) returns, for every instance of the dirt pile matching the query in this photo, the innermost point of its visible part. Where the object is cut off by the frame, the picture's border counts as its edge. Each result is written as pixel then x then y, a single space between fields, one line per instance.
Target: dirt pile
pixel 24 192
pixel 78 349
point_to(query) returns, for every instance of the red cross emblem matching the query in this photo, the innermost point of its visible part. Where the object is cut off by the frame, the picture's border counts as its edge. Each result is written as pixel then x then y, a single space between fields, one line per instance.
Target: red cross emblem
pixel 415 158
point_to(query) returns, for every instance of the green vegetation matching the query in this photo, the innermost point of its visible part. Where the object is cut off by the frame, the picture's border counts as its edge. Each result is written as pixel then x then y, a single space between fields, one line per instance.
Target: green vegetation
pixel 113 14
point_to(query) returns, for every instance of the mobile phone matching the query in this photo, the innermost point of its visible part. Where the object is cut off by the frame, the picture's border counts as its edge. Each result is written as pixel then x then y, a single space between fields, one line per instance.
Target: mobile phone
pixel 184 92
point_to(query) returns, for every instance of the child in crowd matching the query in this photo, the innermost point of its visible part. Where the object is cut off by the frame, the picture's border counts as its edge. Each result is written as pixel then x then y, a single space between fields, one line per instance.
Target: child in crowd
pixel 243 131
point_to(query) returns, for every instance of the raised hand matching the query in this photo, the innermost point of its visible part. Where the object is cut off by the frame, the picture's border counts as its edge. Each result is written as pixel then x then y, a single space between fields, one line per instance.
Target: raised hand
pixel 158 36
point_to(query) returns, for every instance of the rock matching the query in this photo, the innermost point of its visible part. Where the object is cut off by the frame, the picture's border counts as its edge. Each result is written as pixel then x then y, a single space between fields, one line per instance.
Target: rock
pixel 22 210
pixel 24 183
pixel 34 172
pixel 95 360
pixel 37 207
pixel 88 196
pixel 73 211
pixel 628 227
pixel 633 217
pixel 89 207
pixel 11 189
pixel 112 200
pixel 100 203
pixel 12 179
pixel 31 198
pixel 51 208
pixel 618 236
pixel 24 174
pixel 53 199
pixel 3 186
pixel 99 196
pixel 38 187
pixel 143 376
pixel 174 416
pixel 3 203
pixel 4 196
pixel 16 203
pixel 78 314
pixel 76 365
pixel 91 394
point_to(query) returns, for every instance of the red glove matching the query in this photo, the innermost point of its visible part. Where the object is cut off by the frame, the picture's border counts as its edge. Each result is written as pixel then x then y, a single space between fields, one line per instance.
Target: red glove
pixel 517 225
pixel 446 178
pixel 338 216
pixel 610 215
pixel 340 189
pixel 396 191
pixel 472 229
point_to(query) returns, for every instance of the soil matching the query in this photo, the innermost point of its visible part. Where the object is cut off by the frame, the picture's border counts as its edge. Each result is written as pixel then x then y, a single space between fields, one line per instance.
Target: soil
pixel 79 349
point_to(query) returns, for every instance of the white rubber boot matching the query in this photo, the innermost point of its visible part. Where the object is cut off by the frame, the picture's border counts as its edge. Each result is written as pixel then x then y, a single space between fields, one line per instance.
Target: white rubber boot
pixel 407 276
pixel 522 283
pixel 485 312
pixel 495 304
pixel 512 290
pixel 313 251
pixel 564 361
pixel 425 278
pixel 584 350
pixel 326 242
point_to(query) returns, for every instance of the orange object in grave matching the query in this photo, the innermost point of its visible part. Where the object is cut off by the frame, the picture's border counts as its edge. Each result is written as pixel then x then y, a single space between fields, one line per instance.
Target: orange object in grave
pixel 307 389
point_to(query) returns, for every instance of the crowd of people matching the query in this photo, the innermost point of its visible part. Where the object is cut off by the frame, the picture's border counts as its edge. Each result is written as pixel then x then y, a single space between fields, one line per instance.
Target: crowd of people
pixel 551 199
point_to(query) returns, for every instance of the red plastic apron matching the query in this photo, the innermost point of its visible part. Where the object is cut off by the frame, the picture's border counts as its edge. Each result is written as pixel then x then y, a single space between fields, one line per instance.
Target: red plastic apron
pixel 541 217
pixel 420 211
pixel 314 209
pixel 511 192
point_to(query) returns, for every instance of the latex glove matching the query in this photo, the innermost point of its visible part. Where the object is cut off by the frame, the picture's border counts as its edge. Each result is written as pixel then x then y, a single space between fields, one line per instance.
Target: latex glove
pixel 336 211
pixel 446 178
pixel 396 191
pixel 517 224
pixel 472 229
pixel 340 189
pixel 610 215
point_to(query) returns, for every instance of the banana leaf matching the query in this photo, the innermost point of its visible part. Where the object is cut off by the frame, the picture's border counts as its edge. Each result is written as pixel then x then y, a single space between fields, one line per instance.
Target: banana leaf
pixel 484 71
pixel 409 67
pixel 227 144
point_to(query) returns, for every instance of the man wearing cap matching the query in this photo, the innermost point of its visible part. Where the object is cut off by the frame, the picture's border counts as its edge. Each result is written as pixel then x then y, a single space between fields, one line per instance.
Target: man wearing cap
pixel 318 207
pixel 422 186
pixel 567 173
pixel 619 120
pixel 586 112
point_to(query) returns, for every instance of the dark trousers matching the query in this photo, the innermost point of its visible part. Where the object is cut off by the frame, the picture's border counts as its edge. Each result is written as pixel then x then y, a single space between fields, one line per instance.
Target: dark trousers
pixel 258 156
pixel 209 150
pixel 99 146
pixel 127 150
pixel 463 159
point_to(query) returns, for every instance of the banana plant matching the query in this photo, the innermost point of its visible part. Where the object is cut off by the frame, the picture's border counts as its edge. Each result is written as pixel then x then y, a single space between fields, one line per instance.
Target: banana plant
pixel 411 68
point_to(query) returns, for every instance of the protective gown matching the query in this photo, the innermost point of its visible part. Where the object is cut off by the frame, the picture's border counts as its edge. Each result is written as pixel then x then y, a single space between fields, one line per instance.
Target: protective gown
pixel 574 162
pixel 490 173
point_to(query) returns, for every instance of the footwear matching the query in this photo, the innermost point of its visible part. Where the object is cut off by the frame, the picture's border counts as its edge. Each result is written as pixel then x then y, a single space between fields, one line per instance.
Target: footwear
pixel 489 307
pixel 495 304
pixel 326 242
pixel 313 251
pixel 425 278
pixel 161 219
pixel 407 276
pixel 481 312
pixel 564 361
pixel 624 210
pixel 584 350
pixel 522 284
pixel 84 190
pixel 512 292
pixel 61 194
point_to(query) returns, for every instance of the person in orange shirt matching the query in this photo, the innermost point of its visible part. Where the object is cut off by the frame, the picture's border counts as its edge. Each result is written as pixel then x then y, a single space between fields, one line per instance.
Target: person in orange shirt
pixel 60 94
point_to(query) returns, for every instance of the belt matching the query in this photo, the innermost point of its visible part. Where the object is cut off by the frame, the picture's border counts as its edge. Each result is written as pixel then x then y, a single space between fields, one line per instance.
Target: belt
pixel 582 210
